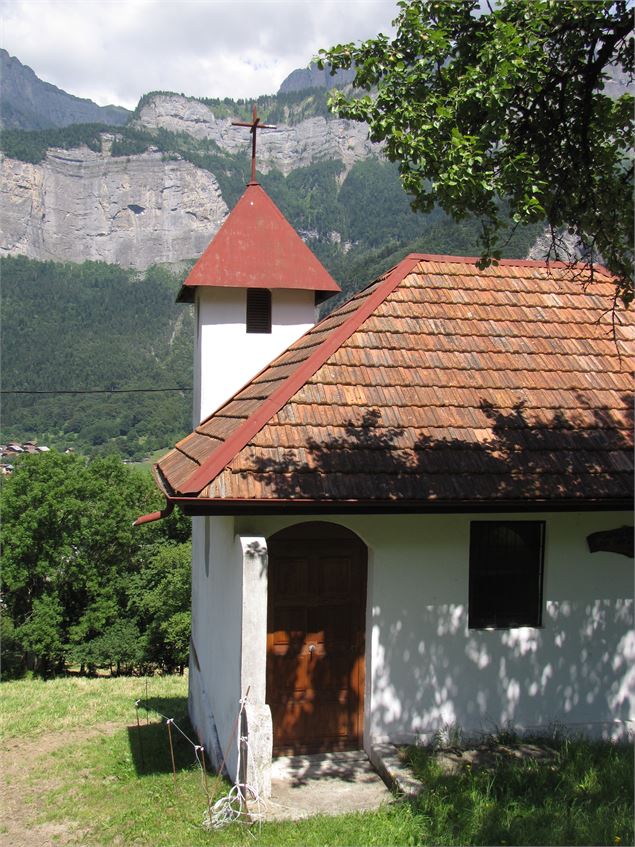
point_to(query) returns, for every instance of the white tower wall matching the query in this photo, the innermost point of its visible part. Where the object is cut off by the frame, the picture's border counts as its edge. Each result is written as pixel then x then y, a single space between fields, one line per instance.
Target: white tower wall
pixel 226 356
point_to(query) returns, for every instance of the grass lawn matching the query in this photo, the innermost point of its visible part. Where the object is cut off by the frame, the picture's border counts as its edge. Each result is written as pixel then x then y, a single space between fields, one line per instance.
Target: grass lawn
pixel 78 770
pixel 564 791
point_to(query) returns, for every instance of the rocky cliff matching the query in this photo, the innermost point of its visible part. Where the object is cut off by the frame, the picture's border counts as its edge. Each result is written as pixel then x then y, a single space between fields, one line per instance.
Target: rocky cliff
pixel 285 148
pixel 27 102
pixel 135 211
pixel 140 210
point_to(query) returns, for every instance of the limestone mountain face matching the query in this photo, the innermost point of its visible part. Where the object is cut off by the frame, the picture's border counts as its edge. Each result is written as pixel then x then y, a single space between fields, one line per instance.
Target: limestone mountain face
pixel 135 211
pixel 285 148
pixel 140 210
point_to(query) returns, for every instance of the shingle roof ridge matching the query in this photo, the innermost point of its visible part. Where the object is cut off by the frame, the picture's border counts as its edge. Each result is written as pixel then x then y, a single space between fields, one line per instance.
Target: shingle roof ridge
pixel 377 292
pixel 519 263
pixel 406 471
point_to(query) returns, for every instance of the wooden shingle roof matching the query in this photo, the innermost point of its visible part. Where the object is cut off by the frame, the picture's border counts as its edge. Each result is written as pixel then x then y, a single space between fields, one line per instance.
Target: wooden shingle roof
pixel 438 386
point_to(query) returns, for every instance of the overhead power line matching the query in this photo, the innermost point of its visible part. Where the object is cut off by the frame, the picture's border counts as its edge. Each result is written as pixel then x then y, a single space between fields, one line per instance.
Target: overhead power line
pixel 98 391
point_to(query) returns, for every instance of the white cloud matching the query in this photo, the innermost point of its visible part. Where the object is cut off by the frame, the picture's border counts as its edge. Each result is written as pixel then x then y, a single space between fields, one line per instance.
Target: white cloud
pixel 113 51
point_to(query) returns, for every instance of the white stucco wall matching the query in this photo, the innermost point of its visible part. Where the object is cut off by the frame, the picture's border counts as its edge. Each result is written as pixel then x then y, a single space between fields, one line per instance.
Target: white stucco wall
pixel 216 632
pixel 225 355
pixel 229 635
pixel 425 668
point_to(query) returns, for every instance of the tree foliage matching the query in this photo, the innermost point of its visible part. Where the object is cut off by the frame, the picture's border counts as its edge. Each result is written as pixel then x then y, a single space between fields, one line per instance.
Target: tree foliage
pixel 508 103
pixel 80 583
pixel 159 599
pixel 31 145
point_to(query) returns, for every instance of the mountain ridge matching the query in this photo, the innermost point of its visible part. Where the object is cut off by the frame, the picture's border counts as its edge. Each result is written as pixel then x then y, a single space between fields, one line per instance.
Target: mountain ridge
pixel 158 188
pixel 28 102
pixel 302 79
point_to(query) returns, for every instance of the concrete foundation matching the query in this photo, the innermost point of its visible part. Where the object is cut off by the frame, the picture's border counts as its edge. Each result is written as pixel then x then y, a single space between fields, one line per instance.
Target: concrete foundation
pixel 324 784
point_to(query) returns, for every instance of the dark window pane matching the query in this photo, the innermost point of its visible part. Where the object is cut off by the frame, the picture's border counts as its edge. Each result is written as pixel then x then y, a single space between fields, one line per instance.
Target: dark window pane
pixel 506 562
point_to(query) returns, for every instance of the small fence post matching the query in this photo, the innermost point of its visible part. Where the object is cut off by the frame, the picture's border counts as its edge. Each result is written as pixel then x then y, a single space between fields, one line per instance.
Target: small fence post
pixel 143 762
pixel 169 725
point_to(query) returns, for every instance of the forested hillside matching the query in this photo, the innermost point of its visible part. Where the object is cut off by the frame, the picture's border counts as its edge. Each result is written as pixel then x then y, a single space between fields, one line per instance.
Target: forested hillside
pixel 94 327
pixel 99 328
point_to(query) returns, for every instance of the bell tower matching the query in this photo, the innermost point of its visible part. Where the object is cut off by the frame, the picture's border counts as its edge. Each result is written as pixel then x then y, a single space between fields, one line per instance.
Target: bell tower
pixel 255 290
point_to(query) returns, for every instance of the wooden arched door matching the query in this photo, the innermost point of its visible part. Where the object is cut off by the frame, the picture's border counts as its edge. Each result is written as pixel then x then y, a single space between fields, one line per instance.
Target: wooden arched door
pixel 315 638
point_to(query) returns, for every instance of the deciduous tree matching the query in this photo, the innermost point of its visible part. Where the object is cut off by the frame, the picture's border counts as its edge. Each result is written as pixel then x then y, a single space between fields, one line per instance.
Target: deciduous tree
pixel 72 560
pixel 507 103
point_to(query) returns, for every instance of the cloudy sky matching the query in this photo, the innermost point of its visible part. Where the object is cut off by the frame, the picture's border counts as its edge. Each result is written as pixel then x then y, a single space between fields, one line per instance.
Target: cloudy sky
pixel 113 51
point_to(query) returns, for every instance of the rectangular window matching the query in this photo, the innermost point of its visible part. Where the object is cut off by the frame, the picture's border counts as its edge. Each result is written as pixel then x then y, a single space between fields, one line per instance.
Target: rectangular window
pixel 506 565
pixel 258 310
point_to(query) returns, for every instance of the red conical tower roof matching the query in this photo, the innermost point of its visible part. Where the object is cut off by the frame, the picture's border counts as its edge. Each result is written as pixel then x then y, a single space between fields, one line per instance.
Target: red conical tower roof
pixel 256 247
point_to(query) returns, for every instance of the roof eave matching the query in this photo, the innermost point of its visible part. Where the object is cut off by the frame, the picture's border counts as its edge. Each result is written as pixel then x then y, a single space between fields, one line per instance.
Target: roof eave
pixel 197 506
pixel 187 293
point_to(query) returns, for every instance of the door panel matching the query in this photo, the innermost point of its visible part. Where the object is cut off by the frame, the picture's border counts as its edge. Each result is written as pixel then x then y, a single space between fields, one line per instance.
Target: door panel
pixel 315 643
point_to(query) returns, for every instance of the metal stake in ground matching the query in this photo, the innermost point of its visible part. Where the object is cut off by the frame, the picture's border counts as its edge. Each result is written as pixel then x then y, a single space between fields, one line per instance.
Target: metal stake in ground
pixel 136 705
pixel 169 725
pixel 205 785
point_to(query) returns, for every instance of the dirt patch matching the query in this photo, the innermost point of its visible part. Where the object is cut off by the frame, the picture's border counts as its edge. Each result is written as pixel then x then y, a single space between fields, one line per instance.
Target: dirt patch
pixel 487 756
pixel 22 797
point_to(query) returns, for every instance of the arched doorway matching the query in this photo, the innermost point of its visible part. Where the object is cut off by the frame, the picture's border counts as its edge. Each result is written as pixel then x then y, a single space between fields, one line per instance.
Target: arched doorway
pixel 315 638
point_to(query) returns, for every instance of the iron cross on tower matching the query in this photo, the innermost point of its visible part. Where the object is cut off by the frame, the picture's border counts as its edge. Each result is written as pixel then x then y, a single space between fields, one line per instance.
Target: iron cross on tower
pixel 254 125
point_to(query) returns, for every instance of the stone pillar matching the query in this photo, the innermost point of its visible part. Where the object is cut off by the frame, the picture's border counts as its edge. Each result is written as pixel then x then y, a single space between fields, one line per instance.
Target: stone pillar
pixel 257 725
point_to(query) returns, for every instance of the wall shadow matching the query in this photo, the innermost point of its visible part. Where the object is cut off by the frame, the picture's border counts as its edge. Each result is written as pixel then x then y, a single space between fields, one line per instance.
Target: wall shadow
pixel 432 673
pixel 149 742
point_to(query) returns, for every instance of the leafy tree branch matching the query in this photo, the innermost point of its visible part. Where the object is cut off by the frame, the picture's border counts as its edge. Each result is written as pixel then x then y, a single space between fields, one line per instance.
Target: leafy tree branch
pixel 507 104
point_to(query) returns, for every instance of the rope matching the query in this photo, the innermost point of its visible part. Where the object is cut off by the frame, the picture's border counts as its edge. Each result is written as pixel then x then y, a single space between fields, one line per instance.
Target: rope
pixel 141 704
pixel 243 802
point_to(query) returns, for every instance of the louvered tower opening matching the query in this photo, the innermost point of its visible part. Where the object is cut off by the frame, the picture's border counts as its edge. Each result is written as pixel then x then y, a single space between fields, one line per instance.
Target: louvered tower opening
pixel 258 310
